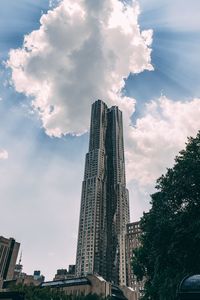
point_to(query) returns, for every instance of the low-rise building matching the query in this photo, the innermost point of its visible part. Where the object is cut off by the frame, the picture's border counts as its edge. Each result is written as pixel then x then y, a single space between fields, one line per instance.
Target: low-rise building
pixel 91 284
pixel 65 274
pixel 17 271
pixel 36 279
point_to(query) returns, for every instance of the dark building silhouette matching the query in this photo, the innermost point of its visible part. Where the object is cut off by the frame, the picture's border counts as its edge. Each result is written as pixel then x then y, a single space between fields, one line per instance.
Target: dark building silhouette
pixel 133 236
pixel 189 288
pixel 11 296
pixel 9 249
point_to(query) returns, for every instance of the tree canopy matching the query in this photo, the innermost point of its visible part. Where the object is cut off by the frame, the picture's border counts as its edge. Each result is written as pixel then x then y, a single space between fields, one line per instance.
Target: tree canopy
pixel 37 293
pixel 170 243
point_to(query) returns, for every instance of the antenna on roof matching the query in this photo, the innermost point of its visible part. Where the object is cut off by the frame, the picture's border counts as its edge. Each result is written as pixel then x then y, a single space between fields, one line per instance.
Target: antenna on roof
pixel 20 258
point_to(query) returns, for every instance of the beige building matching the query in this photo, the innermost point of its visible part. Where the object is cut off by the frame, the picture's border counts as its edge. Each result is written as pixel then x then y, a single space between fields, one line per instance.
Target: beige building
pixel 36 279
pixel 92 284
pixel 133 242
pixel 9 249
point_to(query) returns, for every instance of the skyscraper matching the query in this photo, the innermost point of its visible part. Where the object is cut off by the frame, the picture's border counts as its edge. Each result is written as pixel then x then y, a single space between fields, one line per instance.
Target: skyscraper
pixel 104 209
pixel 9 249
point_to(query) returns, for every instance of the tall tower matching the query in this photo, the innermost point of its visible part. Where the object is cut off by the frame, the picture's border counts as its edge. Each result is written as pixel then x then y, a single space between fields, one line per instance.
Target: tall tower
pixel 104 209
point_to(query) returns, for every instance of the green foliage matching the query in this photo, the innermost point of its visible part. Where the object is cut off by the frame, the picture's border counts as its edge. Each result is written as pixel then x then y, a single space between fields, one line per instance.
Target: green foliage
pixel 170 244
pixel 38 293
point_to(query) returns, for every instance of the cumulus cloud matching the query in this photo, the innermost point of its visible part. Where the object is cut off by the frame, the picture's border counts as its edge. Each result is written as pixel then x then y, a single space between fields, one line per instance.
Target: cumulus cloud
pixel 82 51
pixel 3 154
pixel 158 136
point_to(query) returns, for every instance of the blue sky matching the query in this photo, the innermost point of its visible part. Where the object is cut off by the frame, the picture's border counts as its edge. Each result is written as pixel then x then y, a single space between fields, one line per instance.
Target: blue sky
pixel 41 166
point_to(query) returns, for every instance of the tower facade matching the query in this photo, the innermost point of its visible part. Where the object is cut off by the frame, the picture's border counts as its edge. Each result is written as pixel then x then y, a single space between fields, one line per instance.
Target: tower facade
pixel 104 209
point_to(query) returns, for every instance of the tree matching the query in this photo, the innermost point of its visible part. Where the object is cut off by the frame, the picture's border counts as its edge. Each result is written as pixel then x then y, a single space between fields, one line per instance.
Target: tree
pixel 37 293
pixel 170 243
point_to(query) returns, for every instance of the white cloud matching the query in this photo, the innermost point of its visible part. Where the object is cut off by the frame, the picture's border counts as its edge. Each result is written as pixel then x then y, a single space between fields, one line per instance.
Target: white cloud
pixel 158 136
pixel 3 154
pixel 83 51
